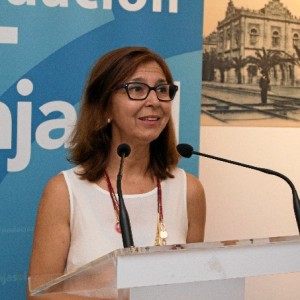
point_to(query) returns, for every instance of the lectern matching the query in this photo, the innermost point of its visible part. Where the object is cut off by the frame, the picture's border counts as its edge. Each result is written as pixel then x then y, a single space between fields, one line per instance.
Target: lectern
pixel 210 271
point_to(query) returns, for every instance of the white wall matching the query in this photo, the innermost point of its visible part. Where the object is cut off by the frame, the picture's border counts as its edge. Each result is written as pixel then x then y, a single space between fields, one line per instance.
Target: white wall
pixel 243 203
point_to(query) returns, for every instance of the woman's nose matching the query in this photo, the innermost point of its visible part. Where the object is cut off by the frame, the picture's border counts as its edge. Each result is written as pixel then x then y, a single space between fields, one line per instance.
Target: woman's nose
pixel 152 98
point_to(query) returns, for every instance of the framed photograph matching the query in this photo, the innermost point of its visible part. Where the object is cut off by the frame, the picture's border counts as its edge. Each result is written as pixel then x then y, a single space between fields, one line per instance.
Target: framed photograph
pixel 251 63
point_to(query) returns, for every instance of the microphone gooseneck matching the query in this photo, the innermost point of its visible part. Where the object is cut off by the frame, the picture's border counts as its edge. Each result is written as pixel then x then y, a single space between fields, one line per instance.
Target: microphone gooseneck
pixel 187 150
pixel 123 151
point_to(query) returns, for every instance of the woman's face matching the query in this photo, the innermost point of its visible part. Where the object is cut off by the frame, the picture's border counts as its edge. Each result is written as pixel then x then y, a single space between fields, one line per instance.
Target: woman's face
pixel 140 122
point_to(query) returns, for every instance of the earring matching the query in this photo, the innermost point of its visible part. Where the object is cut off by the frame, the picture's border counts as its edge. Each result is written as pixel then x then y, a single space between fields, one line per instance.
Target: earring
pixel 108 120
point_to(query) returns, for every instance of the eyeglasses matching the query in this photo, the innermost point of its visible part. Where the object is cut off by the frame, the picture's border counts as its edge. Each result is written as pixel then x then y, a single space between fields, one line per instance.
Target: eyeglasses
pixel 140 90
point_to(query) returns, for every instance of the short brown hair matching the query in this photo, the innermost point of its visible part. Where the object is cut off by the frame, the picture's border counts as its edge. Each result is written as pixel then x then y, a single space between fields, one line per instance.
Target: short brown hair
pixel 91 139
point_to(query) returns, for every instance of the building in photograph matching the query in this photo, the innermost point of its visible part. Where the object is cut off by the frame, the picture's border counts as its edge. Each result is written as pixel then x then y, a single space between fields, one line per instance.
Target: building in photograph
pixel 242 33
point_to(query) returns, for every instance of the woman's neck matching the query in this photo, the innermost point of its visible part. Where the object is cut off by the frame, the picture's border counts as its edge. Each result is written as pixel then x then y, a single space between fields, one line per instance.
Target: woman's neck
pixel 137 160
pixel 136 174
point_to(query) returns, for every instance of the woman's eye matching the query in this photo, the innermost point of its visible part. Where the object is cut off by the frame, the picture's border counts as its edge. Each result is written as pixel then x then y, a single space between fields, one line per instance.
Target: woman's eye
pixel 162 89
pixel 136 88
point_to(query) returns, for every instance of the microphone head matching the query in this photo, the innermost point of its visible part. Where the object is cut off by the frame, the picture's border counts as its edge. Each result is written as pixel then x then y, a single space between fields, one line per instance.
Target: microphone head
pixel 123 150
pixel 185 150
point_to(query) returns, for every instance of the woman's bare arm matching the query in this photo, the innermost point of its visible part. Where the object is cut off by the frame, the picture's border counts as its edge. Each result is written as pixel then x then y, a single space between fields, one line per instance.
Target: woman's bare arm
pixel 196 205
pixel 52 230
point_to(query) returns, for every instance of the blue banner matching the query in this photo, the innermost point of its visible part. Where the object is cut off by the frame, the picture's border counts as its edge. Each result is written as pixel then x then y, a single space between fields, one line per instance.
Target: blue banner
pixel 46 51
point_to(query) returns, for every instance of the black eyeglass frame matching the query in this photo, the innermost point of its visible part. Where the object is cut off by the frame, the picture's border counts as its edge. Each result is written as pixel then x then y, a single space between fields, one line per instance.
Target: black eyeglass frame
pixel 172 87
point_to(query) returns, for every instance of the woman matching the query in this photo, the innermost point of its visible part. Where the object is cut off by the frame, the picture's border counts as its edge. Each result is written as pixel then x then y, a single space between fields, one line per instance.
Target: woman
pixel 127 100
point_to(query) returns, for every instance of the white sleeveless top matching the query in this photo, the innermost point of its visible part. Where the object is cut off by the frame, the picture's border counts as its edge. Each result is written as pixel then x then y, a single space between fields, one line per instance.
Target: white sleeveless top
pixel 92 217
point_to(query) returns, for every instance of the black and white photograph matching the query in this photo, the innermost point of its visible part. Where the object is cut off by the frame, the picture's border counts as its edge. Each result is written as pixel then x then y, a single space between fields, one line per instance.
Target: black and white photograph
pixel 251 63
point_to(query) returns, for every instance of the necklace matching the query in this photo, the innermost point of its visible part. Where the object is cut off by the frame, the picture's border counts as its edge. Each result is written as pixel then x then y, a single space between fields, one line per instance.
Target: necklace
pixel 161 232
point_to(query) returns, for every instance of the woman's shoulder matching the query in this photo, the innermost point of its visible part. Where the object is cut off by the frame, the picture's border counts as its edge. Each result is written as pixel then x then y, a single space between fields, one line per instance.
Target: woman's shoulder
pixel 194 184
pixel 54 203
pixel 56 182
pixel 60 182
pixel 56 189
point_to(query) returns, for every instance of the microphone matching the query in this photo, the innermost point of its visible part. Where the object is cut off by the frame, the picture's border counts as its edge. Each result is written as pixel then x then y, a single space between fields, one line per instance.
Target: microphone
pixel 123 151
pixel 187 150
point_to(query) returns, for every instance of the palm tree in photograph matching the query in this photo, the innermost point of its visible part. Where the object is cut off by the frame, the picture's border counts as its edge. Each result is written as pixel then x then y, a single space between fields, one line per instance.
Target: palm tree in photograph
pixel 208 65
pixel 238 63
pixel 266 60
pixel 223 65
